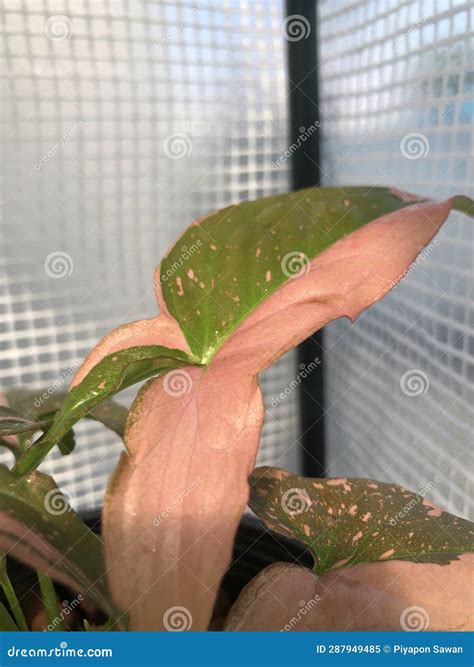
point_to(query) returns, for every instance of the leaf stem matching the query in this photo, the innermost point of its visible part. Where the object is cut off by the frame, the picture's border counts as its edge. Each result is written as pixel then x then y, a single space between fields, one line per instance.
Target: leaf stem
pixel 50 602
pixel 11 596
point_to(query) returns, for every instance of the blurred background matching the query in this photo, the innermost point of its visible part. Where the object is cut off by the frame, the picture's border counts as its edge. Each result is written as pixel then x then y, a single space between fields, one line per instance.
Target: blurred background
pixel 124 120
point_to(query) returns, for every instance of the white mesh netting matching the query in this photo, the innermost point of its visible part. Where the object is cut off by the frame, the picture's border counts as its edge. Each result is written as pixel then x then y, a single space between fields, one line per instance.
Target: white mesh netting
pixel 122 122
pixel 397 84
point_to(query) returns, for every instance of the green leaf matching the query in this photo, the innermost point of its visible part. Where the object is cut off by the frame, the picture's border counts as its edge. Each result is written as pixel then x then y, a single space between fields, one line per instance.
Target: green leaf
pixel 112 374
pixel 12 422
pixel 10 595
pixel 15 428
pixel 7 624
pixel 35 404
pixel 9 414
pixel 39 528
pixel 67 442
pixel 223 267
pixel 10 445
pixel 112 415
pixel 41 405
pixel 348 521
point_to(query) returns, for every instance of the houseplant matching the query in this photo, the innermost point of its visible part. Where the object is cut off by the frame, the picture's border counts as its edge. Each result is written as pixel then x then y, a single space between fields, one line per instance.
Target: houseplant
pixel 240 288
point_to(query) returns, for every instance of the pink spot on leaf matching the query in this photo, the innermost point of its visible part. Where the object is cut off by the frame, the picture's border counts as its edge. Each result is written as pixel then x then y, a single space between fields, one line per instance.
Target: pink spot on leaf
pixel 434 510
pixel 340 482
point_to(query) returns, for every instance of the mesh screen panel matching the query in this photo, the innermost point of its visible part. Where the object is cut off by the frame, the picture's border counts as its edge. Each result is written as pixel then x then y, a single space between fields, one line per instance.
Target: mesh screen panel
pixel 122 122
pixel 397 82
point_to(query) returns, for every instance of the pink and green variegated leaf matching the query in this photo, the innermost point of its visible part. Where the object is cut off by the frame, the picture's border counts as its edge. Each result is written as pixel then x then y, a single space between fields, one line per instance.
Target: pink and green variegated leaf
pixel 245 253
pixel 345 521
pixel 39 528
pixel 110 375
pixel 237 291
pixel 394 595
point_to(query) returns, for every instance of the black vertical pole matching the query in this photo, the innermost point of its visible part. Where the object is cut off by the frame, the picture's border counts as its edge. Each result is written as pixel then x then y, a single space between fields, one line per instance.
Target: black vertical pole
pixel 300 28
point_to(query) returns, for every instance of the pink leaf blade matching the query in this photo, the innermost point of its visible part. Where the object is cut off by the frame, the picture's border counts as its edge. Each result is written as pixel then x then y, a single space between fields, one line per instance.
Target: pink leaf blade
pixel 395 595
pixel 161 330
pixel 174 504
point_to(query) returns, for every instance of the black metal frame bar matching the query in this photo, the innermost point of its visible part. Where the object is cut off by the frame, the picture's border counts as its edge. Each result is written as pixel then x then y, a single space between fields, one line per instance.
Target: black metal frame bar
pixel 304 112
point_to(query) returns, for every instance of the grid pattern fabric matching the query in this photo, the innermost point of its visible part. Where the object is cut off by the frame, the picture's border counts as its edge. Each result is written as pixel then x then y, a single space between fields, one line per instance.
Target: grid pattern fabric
pixel 397 82
pixel 122 122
